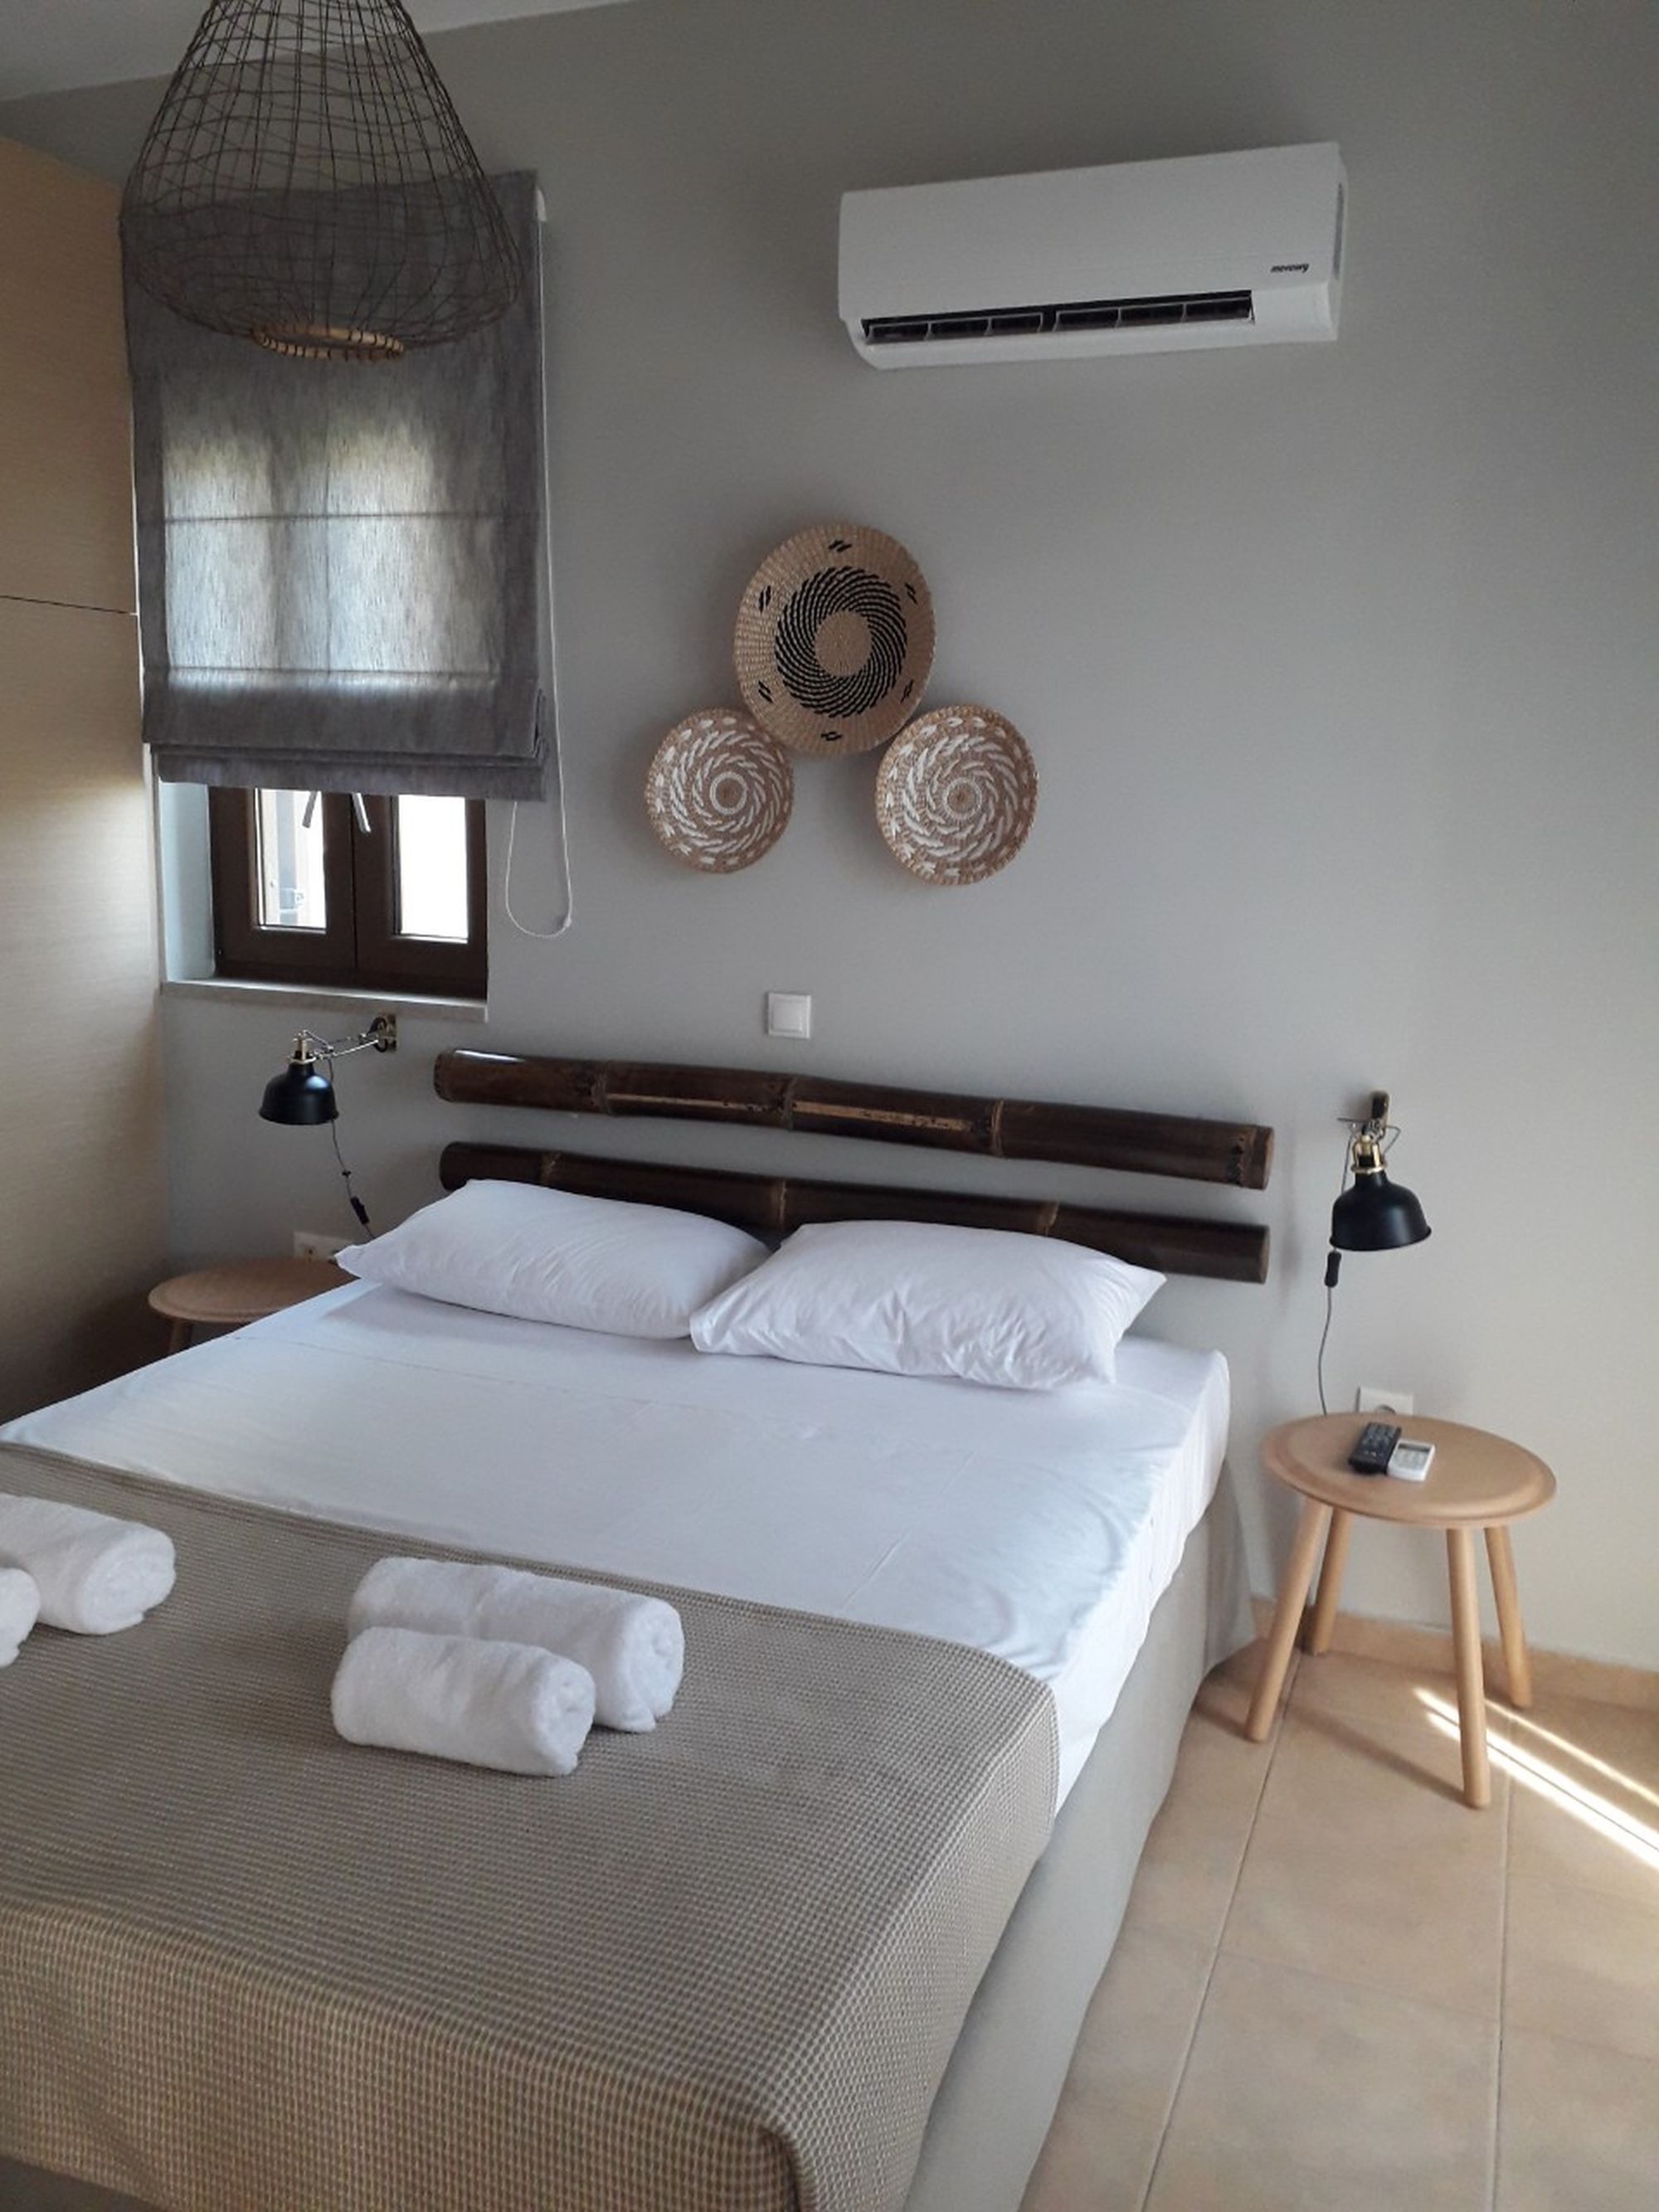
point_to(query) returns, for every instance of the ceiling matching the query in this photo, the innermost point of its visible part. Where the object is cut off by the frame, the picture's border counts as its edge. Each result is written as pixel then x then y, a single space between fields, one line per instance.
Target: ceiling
pixel 51 45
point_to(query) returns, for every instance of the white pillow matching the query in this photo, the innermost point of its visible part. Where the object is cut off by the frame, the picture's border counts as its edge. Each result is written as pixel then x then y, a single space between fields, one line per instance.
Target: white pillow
pixel 911 1297
pixel 514 1247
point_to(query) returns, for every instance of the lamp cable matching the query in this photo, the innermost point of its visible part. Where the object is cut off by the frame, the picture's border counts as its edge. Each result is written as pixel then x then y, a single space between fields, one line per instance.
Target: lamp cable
pixel 1332 1270
pixel 1324 1334
pixel 357 1206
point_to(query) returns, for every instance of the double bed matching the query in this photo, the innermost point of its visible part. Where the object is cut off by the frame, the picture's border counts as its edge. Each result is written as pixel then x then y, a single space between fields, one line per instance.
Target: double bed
pixel 1084 1539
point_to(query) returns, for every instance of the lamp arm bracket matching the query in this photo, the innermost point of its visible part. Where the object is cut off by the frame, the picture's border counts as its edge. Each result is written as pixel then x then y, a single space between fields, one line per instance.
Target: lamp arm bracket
pixel 1373 1135
pixel 1375 1121
pixel 380 1035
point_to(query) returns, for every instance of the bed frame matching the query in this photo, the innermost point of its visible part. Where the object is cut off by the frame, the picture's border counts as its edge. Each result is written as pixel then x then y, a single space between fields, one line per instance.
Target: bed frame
pixel 1238 1153
pixel 1010 2063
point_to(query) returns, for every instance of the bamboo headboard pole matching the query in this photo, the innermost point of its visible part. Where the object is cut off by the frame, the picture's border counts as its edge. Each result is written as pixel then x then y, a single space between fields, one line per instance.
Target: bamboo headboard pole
pixel 1197 1150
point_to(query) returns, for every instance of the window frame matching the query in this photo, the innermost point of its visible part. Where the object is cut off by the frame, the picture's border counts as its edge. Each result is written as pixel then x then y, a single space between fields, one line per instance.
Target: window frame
pixel 360 947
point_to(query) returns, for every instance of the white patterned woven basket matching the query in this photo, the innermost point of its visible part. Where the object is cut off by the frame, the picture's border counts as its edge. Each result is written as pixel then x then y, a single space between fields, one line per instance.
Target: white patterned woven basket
pixel 720 791
pixel 956 795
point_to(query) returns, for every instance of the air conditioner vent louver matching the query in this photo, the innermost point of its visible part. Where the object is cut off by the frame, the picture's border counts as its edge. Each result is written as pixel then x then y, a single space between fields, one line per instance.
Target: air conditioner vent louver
pixel 1067 315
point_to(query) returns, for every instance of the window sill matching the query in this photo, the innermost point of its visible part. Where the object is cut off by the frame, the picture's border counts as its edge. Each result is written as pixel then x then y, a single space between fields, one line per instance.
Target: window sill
pixel 229 991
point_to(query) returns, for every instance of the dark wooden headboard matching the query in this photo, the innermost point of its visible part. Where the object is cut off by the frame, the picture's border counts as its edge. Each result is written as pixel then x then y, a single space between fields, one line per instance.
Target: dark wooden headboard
pixel 1197 1150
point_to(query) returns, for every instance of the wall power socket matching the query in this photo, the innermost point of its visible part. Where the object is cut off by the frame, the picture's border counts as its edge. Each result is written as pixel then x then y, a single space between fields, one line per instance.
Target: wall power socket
pixel 313 1244
pixel 1379 1398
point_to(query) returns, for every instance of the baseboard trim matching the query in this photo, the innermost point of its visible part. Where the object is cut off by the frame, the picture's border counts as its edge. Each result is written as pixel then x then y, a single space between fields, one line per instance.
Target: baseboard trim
pixel 1557 1674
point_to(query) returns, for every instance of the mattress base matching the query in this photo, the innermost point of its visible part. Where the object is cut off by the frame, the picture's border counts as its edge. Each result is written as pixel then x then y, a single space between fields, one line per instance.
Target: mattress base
pixel 998 2098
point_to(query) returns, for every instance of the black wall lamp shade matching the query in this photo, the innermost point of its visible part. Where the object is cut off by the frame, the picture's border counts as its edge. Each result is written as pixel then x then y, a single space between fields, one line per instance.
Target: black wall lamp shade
pixel 1377 1216
pixel 1373 1214
pixel 301 1097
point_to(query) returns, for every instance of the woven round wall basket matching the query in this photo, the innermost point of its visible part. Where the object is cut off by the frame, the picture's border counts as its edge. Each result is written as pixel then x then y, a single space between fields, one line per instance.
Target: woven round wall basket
pixel 720 791
pixel 835 640
pixel 956 795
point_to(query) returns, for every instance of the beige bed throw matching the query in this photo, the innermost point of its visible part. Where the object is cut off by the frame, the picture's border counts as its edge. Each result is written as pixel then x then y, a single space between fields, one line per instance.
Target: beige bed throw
pixel 243 1965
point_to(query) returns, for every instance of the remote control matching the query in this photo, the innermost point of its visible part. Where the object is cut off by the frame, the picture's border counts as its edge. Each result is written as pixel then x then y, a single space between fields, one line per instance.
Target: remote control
pixel 1409 1459
pixel 1374 1447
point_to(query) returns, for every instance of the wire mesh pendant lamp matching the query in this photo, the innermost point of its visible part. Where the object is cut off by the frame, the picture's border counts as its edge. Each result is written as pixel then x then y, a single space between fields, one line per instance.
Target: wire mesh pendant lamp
pixel 306 183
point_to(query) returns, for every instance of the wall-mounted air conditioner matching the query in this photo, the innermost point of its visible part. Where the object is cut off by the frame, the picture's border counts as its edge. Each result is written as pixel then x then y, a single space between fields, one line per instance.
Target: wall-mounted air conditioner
pixel 1144 257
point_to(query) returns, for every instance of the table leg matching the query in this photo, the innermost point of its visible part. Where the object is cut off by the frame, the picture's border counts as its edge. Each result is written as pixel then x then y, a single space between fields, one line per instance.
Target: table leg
pixel 1466 1644
pixel 1517 1659
pixel 180 1339
pixel 1330 1582
pixel 1288 1618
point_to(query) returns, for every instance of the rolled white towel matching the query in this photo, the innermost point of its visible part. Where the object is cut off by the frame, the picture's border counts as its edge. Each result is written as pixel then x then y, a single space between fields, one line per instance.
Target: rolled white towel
pixel 512 1706
pixel 20 1608
pixel 632 1645
pixel 95 1574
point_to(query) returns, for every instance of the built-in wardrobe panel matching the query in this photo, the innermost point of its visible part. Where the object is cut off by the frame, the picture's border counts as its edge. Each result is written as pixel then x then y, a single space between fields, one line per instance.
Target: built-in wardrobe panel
pixel 82 1190
pixel 65 476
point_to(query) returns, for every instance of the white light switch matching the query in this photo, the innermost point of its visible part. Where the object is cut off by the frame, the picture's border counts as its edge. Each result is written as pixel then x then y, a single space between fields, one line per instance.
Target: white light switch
pixel 788 1014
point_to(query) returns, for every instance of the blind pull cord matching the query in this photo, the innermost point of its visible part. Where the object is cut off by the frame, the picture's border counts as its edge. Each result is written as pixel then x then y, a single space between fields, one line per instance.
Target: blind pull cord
pixel 562 844
pixel 555 770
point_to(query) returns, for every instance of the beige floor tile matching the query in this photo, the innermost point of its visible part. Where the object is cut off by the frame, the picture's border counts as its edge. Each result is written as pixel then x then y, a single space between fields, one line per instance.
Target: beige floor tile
pixel 1370 1690
pixel 1625 1736
pixel 1105 2137
pixel 1365 1865
pixel 1404 1767
pixel 1308 2096
pixel 1186 1873
pixel 1344 2056
pixel 1577 2128
pixel 1583 1964
pixel 1586 1790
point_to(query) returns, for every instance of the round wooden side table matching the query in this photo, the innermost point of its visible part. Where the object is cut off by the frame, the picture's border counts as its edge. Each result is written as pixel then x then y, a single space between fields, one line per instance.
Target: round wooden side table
pixel 1474 1482
pixel 241 1290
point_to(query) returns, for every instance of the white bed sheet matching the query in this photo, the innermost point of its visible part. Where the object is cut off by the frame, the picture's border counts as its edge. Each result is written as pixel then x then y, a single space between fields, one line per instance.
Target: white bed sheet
pixel 1043 1526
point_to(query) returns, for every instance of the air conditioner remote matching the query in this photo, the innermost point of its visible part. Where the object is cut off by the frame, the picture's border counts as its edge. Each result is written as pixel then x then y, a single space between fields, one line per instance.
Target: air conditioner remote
pixel 1373 1448
pixel 1409 1459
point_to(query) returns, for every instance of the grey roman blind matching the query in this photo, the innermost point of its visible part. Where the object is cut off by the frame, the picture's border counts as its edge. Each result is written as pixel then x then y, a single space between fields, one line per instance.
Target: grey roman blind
pixel 340 565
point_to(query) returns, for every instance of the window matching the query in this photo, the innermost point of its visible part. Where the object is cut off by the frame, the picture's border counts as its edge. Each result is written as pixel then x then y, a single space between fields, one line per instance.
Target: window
pixel 304 893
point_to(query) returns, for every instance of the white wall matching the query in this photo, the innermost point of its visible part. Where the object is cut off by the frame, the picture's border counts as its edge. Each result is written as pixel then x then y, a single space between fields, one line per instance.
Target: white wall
pixel 1336 662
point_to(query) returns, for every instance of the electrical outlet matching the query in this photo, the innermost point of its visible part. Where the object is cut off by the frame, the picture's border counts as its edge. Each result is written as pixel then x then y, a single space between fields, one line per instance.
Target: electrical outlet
pixel 1378 1397
pixel 313 1244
